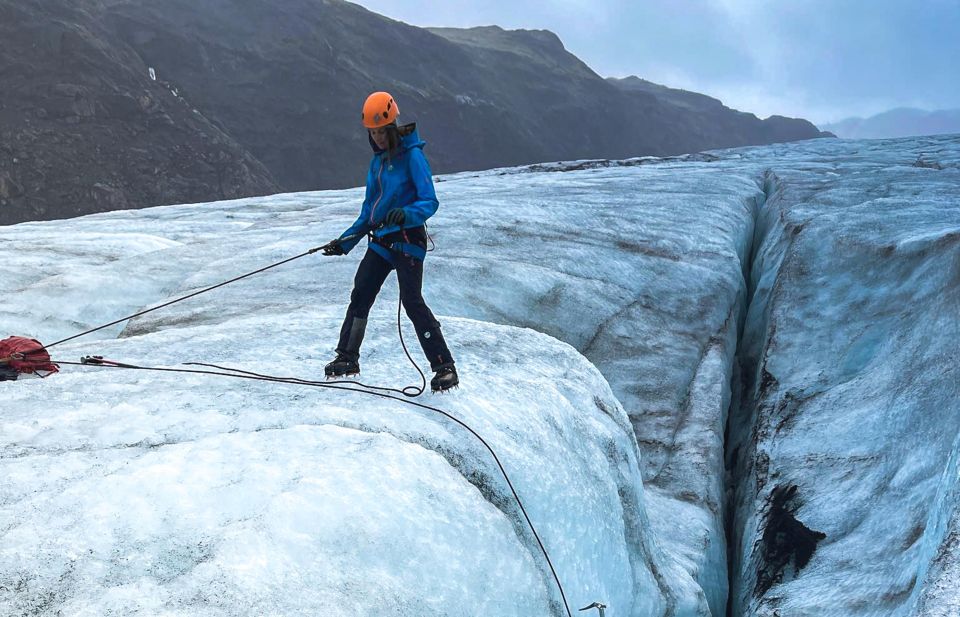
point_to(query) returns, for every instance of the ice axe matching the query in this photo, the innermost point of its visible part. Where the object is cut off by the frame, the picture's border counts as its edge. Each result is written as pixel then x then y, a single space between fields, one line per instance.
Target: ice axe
pixel 596 605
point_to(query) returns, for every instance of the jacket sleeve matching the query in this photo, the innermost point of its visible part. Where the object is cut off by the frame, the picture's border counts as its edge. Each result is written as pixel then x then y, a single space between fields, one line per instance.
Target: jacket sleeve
pixel 426 203
pixel 362 225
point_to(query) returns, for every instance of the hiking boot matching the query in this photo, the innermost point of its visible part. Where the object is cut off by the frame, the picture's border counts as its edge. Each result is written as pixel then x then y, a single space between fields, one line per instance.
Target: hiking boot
pixel 342 366
pixel 445 379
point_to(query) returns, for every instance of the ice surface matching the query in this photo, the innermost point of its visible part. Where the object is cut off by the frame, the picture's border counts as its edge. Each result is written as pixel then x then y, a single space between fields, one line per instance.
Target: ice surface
pixel 580 256
pixel 153 494
pixel 146 493
pixel 851 375
pixel 641 268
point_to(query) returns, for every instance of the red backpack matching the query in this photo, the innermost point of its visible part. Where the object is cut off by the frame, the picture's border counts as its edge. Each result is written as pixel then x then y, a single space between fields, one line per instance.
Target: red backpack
pixel 19 355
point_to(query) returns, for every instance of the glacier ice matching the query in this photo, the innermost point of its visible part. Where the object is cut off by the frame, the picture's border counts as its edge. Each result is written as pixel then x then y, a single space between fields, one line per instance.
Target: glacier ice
pixel 851 389
pixel 810 288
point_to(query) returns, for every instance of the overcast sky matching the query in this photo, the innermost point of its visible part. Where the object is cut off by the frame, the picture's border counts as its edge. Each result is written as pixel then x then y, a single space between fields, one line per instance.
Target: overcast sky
pixel 823 60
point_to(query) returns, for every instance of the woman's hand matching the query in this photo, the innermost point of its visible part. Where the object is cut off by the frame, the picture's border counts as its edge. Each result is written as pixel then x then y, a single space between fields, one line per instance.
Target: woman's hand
pixel 333 248
pixel 395 217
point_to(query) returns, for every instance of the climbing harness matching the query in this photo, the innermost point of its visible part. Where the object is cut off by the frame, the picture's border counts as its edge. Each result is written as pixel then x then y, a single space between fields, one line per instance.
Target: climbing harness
pixel 34 357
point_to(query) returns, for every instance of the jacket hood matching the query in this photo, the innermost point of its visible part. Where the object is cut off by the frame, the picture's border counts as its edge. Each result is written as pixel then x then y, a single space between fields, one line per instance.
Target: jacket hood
pixel 409 138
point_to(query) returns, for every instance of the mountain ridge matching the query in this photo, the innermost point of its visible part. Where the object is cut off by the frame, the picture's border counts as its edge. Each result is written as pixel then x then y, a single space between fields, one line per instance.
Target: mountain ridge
pixel 256 98
pixel 898 122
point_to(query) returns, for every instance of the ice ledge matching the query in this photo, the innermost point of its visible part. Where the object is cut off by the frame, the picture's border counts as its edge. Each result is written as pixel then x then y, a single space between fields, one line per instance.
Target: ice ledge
pixel 150 490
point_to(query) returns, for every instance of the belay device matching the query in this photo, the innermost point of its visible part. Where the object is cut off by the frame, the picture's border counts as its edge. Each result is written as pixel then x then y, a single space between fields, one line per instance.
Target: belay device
pixel 24 356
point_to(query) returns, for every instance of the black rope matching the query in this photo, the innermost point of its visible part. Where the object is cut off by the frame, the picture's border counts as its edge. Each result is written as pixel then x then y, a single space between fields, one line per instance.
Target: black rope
pixel 362 389
pixel 187 297
pixel 410 391
pixel 203 291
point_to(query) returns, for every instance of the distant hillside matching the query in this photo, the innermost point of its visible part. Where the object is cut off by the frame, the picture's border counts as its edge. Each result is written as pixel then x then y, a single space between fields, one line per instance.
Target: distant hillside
pixel 711 124
pixel 84 129
pixel 901 122
pixel 256 97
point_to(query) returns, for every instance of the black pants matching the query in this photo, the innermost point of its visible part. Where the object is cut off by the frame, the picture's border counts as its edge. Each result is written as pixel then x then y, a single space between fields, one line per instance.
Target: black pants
pixel 371 274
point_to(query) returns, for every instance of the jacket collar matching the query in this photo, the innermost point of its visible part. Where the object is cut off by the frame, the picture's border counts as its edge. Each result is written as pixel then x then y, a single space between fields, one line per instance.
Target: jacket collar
pixel 409 138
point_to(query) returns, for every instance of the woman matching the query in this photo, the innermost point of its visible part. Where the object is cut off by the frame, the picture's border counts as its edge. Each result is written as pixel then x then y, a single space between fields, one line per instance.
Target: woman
pixel 399 200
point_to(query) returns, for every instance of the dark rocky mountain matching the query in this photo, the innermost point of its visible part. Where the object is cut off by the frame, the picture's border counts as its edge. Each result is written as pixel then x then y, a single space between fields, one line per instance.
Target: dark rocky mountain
pixel 252 97
pixel 900 122
pixel 84 129
pixel 702 122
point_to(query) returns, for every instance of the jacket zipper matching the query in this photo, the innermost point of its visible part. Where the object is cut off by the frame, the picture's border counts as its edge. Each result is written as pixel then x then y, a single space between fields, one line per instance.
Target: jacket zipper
pixel 380 196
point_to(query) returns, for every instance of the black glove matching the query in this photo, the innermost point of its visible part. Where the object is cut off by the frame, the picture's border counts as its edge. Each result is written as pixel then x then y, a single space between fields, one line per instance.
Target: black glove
pixel 395 217
pixel 333 248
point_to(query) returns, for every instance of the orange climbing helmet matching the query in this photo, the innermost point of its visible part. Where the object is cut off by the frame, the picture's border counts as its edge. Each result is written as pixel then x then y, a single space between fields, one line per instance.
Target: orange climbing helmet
pixel 379 110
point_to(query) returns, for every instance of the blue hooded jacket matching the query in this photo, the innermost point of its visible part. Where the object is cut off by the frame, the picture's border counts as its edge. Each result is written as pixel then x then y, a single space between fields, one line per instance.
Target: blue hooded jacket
pixel 402 181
